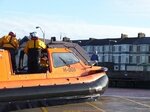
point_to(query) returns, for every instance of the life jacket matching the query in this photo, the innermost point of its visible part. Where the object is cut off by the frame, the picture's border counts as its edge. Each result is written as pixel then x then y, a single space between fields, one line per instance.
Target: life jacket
pixel 9 42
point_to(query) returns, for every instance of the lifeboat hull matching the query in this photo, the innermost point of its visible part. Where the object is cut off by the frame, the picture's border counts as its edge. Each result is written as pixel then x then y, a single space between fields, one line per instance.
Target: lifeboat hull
pixel 71 91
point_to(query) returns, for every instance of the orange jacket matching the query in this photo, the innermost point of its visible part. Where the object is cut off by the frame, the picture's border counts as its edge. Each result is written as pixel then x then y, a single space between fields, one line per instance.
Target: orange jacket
pixel 10 42
pixel 38 44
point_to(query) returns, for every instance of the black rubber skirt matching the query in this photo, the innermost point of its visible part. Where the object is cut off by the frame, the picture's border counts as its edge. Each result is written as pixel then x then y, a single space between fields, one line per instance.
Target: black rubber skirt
pixel 55 91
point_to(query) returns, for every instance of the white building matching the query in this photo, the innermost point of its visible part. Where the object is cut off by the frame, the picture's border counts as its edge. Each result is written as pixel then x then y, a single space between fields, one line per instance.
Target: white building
pixel 125 53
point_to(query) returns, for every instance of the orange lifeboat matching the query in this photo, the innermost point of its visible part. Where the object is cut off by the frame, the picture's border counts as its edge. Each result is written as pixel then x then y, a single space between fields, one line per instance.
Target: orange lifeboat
pixel 67 75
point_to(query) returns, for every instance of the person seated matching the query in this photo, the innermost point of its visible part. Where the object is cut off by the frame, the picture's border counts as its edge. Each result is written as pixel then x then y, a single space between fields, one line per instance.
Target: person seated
pixel 33 49
pixel 44 62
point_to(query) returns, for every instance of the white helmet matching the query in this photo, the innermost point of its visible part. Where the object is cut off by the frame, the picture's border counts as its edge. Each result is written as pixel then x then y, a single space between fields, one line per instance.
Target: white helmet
pixel 34 34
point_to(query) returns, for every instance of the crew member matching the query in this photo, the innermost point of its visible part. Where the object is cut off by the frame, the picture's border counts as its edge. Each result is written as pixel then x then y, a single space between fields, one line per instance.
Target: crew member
pixel 10 43
pixel 44 61
pixel 94 58
pixel 33 50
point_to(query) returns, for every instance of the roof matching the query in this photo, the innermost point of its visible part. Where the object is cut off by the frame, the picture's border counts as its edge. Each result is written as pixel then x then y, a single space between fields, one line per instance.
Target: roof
pixel 78 50
pixel 114 41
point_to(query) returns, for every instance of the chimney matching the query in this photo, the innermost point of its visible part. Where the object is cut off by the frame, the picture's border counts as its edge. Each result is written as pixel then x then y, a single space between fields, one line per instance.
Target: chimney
pixel 124 35
pixel 140 35
pixel 91 38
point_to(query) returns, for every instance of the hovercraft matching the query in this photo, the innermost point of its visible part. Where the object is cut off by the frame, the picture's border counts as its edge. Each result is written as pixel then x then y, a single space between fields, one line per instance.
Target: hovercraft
pixel 68 75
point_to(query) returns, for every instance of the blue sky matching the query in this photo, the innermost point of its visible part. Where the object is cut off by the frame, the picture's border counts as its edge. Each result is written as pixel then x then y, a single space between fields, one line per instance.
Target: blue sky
pixel 77 19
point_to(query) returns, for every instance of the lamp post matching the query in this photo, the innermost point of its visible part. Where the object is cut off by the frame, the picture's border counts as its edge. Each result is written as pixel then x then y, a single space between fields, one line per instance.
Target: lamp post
pixel 109 48
pixel 38 27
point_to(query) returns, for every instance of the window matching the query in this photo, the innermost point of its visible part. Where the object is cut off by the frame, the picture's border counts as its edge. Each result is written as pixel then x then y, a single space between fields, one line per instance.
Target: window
pixel 148 59
pixel 123 59
pixel 106 58
pixel 119 59
pixel 116 48
pixel 116 59
pixel 138 48
pixel 138 59
pixel 149 48
pixel 64 59
pixel 106 48
pixel 130 59
pixel 85 48
pixel 127 59
pixel 113 58
pixel 101 49
pixel 123 48
pixel 88 48
pixel 91 49
pixel 96 48
pixel 113 48
pixel 131 48
pixel 143 48
pixel 119 48
pixel 143 59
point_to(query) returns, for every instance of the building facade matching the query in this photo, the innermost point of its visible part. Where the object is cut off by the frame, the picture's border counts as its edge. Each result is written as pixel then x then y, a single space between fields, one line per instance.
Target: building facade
pixel 124 54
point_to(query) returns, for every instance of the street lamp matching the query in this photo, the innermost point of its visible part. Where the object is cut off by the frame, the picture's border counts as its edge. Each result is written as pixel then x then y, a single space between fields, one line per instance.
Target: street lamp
pixel 38 27
pixel 114 41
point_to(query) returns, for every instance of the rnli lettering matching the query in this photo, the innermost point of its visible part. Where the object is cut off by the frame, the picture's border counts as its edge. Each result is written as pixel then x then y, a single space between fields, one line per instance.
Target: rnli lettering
pixel 69 69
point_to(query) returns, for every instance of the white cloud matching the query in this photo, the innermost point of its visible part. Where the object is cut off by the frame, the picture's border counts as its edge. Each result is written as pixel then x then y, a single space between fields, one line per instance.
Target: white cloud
pixel 133 6
pixel 74 30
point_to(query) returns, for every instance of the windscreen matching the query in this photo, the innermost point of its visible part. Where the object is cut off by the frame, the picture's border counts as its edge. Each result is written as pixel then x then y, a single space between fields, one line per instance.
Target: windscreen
pixel 64 59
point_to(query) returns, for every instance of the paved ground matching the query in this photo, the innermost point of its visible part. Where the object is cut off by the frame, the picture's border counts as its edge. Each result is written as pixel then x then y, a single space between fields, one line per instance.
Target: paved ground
pixel 114 100
pixel 128 92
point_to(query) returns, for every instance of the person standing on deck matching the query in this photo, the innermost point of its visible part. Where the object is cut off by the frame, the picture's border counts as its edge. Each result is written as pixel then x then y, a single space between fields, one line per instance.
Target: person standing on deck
pixel 33 49
pixel 9 42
